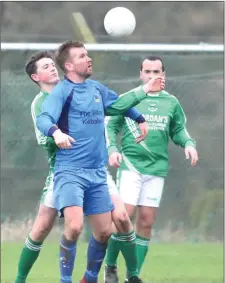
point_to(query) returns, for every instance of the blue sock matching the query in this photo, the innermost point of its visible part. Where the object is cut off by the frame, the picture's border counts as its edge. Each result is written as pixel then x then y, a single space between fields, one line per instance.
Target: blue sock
pixel 66 259
pixel 95 256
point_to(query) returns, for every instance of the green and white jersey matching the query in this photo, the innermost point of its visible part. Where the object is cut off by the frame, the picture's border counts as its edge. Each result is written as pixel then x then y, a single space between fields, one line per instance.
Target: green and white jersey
pixel 46 142
pixel 166 119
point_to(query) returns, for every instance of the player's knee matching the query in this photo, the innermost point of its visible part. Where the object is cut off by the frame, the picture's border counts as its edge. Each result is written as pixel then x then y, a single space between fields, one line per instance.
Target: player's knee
pixel 122 221
pixel 41 230
pixel 104 234
pixel 145 222
pixel 39 235
pixel 73 230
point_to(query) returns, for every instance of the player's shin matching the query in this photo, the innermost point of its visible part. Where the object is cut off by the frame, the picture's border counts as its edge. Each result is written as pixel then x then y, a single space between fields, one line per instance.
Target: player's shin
pixel 95 256
pixel 66 260
pixel 142 245
pixel 113 251
pixel 28 257
pixel 129 251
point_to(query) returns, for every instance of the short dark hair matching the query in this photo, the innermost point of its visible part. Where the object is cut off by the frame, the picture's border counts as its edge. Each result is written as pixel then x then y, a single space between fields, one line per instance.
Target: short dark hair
pixel 31 65
pixel 62 52
pixel 153 58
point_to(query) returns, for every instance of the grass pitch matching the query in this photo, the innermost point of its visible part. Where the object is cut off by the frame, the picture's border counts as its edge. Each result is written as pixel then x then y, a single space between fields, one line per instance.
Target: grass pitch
pixel 165 263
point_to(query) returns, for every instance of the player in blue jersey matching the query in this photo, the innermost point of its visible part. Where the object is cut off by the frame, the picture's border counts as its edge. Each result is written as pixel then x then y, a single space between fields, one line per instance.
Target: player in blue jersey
pixel 74 116
pixel 42 70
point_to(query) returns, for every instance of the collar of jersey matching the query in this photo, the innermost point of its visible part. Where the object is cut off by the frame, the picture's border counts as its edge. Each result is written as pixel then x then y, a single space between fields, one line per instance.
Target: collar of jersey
pixel 44 92
pixel 68 80
pixel 155 94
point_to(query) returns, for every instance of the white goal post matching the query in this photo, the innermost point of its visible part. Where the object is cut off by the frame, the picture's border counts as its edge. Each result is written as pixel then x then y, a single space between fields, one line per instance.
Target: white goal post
pixel 201 47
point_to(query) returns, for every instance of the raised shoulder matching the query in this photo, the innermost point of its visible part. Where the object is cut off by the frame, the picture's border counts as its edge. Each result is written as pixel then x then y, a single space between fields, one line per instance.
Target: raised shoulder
pixel 170 96
pixel 95 83
pixel 37 103
pixel 59 86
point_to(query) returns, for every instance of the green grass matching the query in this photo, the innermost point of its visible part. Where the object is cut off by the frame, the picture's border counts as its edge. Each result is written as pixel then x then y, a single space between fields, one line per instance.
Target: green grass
pixel 165 263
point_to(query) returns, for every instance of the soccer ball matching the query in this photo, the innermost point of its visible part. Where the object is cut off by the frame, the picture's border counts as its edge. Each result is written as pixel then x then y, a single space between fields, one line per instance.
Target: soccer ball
pixel 119 22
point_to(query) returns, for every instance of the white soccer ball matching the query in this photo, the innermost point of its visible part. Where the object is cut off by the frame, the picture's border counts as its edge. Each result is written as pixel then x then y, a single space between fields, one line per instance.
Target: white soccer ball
pixel 119 22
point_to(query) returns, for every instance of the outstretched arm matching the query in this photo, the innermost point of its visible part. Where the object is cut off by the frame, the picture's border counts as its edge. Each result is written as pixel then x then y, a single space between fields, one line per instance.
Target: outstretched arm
pixel 115 105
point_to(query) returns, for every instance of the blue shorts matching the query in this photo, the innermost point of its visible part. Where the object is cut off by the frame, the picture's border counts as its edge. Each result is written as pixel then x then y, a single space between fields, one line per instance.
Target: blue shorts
pixel 82 187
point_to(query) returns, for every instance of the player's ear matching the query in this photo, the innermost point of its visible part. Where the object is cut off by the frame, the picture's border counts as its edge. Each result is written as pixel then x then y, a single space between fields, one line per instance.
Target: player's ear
pixel 140 75
pixel 68 66
pixel 35 77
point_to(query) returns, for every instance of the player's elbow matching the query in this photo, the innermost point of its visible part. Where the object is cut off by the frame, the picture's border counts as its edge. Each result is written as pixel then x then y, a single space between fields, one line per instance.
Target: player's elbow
pixel 39 124
pixel 43 124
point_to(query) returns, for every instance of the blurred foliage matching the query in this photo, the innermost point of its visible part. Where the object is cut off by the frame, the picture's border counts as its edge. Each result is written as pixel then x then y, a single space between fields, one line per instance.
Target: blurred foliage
pixel 205 210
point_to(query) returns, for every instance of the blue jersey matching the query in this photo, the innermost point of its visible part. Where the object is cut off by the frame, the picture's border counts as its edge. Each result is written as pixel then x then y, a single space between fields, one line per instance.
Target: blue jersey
pixel 78 109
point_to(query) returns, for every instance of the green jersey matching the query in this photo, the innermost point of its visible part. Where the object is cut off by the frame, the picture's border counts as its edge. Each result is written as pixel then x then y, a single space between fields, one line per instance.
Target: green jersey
pixel 166 119
pixel 47 143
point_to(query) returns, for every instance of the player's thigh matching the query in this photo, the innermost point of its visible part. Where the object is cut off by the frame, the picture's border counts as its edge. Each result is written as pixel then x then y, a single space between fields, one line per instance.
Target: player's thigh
pixel 43 223
pixel 97 199
pixel 111 184
pixel 101 225
pixel 98 204
pixel 129 185
pixel 131 209
pixel 119 213
pixel 145 216
pixel 149 200
pixel 151 191
pixel 47 192
pixel 69 186
pixel 73 218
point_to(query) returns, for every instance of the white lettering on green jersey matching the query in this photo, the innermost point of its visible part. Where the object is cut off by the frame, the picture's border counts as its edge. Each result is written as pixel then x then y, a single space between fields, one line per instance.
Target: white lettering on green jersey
pixel 166 119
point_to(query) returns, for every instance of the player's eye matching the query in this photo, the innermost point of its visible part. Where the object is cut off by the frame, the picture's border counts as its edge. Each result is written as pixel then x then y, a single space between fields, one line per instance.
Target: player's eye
pixel 156 71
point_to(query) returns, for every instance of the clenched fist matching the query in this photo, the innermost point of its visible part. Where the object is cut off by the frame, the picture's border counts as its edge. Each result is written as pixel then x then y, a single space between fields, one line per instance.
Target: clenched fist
pixel 62 140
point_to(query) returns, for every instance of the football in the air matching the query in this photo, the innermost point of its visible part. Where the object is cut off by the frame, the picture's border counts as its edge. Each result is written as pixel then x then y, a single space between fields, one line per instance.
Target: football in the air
pixel 119 22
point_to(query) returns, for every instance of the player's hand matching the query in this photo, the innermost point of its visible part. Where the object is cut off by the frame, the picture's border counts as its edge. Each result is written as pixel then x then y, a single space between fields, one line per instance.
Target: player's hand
pixel 115 159
pixel 144 132
pixel 191 152
pixel 62 140
pixel 155 84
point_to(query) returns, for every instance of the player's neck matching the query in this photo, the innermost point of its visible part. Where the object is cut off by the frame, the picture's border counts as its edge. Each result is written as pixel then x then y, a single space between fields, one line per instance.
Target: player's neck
pixel 75 78
pixel 47 88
